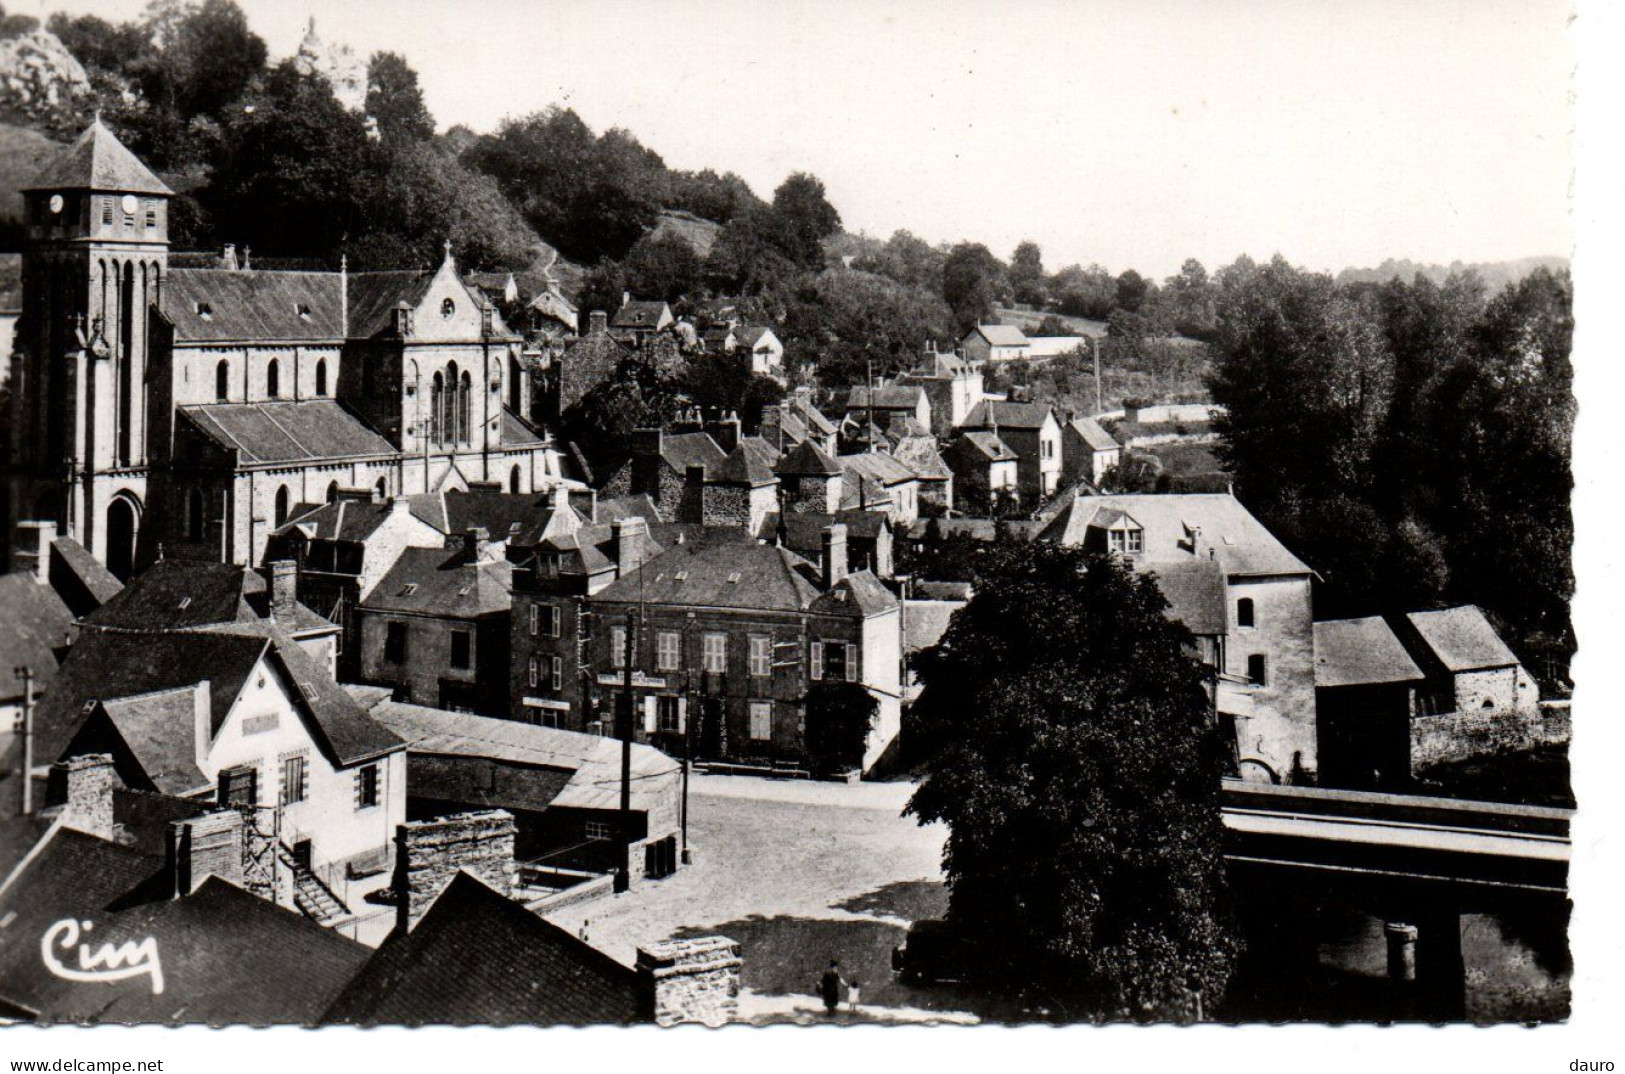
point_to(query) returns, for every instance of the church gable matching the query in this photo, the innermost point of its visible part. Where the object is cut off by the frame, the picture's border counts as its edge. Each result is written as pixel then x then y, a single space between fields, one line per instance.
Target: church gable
pixel 451 311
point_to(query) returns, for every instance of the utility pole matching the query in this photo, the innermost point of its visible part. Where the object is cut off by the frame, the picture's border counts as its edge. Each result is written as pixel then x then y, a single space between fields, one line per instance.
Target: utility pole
pixel 623 869
pixel 1096 341
pixel 25 728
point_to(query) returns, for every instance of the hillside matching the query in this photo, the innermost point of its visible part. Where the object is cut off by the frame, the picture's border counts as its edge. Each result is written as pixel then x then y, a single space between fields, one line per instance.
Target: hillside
pixel 1496 274
pixel 698 232
pixel 1027 320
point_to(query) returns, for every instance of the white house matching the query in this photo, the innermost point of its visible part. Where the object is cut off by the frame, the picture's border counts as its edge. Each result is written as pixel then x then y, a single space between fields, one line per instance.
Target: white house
pixel 995 343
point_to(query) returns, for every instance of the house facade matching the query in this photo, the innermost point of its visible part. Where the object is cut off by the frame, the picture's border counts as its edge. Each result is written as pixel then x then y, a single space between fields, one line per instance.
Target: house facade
pixel 1033 433
pixel 994 343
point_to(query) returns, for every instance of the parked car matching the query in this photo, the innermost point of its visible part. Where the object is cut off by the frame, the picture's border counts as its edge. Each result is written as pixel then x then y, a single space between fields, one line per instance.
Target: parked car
pixel 932 951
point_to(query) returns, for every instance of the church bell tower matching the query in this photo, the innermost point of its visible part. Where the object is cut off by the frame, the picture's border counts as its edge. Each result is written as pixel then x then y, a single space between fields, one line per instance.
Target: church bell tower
pixel 98 229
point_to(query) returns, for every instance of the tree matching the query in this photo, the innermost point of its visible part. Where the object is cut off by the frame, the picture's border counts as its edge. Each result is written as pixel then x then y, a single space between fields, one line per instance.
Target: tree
pixel 840 716
pixel 394 99
pixel 1132 291
pixel 1073 754
pixel 1084 292
pixel 806 219
pixel 724 382
pixel 748 257
pixel 1027 275
pixel 602 422
pixel 848 320
pixel 907 259
pixel 662 267
pixel 973 282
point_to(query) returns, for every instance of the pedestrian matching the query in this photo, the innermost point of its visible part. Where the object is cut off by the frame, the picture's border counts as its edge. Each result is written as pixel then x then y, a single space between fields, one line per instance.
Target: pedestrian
pixel 829 986
pixel 852 991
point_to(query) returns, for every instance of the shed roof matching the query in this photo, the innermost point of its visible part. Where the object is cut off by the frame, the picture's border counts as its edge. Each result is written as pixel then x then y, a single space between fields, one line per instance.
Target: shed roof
pixel 1360 652
pixel 1462 638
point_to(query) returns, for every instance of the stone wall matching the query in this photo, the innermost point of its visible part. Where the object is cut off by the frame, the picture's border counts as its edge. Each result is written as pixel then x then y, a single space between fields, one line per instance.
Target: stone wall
pixel 429 853
pixel 84 787
pixel 1459 736
pixel 690 980
pixel 205 846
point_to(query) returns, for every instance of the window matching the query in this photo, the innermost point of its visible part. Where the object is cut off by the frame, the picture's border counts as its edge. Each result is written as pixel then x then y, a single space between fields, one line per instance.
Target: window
pixel 395 643
pixel 840 661
pixel 366 786
pixel 761 720
pixel 321 377
pixel 1127 542
pixel 107 211
pixel 544 620
pixel 152 219
pixel 222 380
pixel 668 650
pixel 1257 670
pixel 594 829
pixel 447 309
pixel 294 770
pixel 816 663
pixel 670 711
pixel 761 655
pixel 533 672
pixel 273 380
pixel 716 653
pixel 557 675
pixel 1244 612
pixel 239 787
pixel 617 646
pixel 459 649
pixel 281 506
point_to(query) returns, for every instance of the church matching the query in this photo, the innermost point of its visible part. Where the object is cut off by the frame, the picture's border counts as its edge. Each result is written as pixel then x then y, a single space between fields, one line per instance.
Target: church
pixel 165 409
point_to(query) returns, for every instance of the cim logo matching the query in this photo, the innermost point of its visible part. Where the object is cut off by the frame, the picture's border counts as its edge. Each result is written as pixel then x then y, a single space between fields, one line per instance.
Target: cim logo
pixel 104 964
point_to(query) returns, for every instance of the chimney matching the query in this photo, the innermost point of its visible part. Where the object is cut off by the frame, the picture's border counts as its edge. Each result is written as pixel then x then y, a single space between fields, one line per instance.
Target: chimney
pixel 626 299
pixel 201 847
pixel 284 590
pixel 690 981
pixel 691 506
pixel 598 323
pixel 631 544
pixel 772 428
pixel 399 506
pixel 429 853
pixel 477 545
pixel 84 787
pixel 725 431
pixel 32 549
pixel 833 559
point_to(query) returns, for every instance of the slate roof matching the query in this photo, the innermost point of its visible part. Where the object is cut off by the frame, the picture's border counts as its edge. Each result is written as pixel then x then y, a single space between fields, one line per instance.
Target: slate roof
pixel 939 366
pixel 807 459
pixel 517 432
pixel 804 532
pixel 82 580
pixel 920 454
pixel 860 493
pixel 639 314
pixel 926 621
pixel 885 470
pixel 588 766
pixel 812 416
pixel 99 161
pixel 748 335
pixel 1093 434
pixel 614 508
pixel 1000 335
pixel 1237 540
pixel 989 445
pixel 1360 652
pixel 374 297
pixel 1462 638
pixel 859 591
pixel 356 520
pixel 751 463
pixel 1007 415
pixel 479 958
pixel 304 307
pixel 886 397
pixel 503 515
pixel 176 594
pixel 159 729
pixel 727 575
pixel 682 450
pixel 440 582
pixel 35 625
pixel 226 955
pixel 1196 595
pixel 287 432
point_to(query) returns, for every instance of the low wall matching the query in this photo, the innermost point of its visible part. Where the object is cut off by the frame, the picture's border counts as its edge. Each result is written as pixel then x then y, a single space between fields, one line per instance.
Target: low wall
pixel 1460 736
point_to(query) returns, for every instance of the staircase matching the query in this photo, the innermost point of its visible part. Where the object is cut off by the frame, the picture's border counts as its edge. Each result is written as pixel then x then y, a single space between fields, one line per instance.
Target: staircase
pixel 312 897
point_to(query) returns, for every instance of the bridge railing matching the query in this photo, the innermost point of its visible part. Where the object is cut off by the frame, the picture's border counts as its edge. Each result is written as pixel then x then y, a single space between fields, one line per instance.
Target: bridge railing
pixel 1498 817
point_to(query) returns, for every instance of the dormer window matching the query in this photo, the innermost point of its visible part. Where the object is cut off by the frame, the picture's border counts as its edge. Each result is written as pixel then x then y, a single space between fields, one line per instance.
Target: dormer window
pixel 1126 541
pixel 303 309
pixel 204 310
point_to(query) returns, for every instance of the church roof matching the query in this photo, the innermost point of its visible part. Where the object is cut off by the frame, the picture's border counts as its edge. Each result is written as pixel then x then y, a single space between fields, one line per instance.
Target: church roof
pixel 99 161
pixel 291 432
pixel 207 305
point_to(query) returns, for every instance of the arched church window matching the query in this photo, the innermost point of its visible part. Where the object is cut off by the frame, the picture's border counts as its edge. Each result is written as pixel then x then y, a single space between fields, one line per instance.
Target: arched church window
pixel 222 381
pixel 435 394
pixel 465 424
pixel 273 380
pixel 321 376
pixel 281 513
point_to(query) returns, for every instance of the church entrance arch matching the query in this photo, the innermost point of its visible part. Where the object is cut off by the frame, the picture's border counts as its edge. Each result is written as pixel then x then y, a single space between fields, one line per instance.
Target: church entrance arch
pixel 123 524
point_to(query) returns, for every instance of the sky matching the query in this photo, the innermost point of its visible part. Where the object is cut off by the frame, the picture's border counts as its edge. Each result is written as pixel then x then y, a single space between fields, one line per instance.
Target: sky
pixel 1130 134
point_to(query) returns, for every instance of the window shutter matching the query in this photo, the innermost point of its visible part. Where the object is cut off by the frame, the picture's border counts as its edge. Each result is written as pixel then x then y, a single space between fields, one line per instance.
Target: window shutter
pixel 817 660
pixel 651 716
pixel 851 662
pixel 535 619
pixel 558 673
pixel 682 715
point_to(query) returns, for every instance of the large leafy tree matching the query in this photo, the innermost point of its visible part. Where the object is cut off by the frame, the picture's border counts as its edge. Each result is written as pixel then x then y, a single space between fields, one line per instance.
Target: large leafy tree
pixel 973 282
pixel 1074 757
pixel 662 266
pixel 395 100
pixel 847 321
pixel 1027 275
pixel 806 219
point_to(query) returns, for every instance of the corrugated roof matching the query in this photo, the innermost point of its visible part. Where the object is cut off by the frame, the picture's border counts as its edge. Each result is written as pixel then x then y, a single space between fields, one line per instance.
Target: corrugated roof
pixel 209 305
pixel 1229 532
pixel 287 432
pixel 1462 638
pixel 99 161
pixel 1360 652
pixel 479 958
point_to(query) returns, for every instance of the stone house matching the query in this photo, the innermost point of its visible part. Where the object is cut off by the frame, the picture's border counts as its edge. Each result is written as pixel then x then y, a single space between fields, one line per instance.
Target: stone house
pixel 1365 698
pixel 918 450
pixel 796 420
pixel 1088 451
pixel 994 343
pixel 660 468
pixel 728 637
pixel 888 403
pixel 1467 666
pixel 810 480
pixel 637 321
pixel 1258 593
pixel 984 470
pixel 1033 433
pixel 953 385
pixel 436 628
pixel 896 480
pixel 869 537
pixel 580 365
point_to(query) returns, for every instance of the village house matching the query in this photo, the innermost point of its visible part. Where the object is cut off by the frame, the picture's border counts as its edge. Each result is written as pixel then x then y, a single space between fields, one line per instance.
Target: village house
pixel 636 321
pixel 810 480
pixel 994 343
pixel 985 477
pixel 886 403
pixel 728 637
pixel 435 628
pixel 917 449
pixel 1254 603
pixel 953 385
pixel 1033 433
pixel 712 477
pixel 1365 698
pixel 1088 451
pixel 869 540
pixel 896 480
pixel 796 421
pixel 209 406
